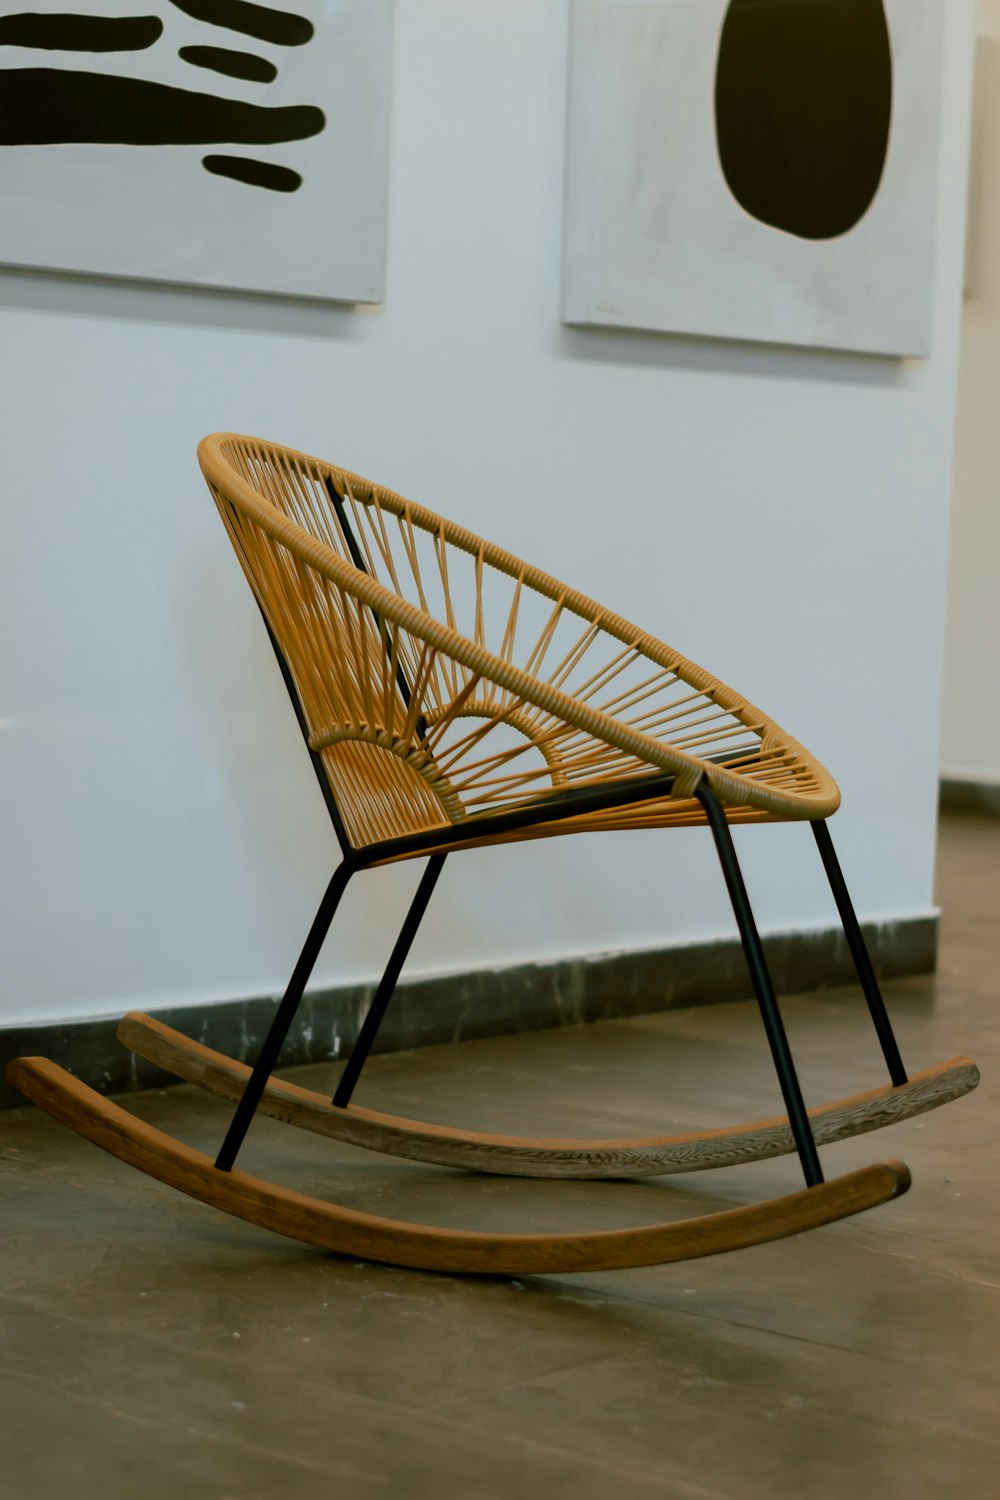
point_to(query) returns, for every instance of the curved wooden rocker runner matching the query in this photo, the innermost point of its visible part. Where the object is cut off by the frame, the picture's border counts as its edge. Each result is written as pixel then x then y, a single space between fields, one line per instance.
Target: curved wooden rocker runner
pixel 348 1232
pixel 544 715
pixel 521 1156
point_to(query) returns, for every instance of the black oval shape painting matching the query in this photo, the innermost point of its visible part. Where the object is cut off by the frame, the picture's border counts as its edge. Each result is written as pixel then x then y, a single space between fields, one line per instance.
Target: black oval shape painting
pixel 803 103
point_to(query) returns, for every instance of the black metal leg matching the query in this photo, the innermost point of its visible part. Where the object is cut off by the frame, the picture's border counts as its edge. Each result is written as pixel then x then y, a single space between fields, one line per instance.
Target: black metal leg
pixel 859 953
pixel 387 984
pixel 274 1040
pixel 763 988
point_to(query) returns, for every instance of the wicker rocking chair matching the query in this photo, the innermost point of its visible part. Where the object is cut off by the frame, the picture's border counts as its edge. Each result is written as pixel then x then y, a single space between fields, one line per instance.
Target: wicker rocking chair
pixel 453 697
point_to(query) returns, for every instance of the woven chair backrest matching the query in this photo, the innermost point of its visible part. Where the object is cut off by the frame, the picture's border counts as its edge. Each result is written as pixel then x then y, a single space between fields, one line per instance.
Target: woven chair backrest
pixel 440 676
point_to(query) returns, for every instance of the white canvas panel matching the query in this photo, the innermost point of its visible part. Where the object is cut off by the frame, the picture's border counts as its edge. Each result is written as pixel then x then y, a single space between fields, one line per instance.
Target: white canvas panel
pixel 154 212
pixel 655 239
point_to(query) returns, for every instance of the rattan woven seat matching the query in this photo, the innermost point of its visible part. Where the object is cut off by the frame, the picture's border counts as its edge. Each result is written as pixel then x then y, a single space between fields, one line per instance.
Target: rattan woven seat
pixel 453 697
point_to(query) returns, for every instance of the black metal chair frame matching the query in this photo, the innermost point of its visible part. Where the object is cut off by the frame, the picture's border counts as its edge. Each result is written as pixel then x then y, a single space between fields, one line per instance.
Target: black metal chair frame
pixel 548 809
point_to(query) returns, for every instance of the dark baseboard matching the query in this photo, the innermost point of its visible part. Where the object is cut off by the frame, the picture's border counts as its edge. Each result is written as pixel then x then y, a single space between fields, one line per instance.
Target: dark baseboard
pixel 482 1003
pixel 981 797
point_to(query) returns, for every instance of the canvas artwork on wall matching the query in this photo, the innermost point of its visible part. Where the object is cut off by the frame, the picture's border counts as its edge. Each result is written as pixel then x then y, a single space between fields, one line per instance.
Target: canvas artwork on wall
pixel 755 169
pixel 221 142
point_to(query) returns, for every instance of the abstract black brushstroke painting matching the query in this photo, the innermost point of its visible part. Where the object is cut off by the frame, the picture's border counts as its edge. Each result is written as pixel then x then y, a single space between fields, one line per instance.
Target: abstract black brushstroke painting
pixel 803 106
pixel 218 142
pixel 62 106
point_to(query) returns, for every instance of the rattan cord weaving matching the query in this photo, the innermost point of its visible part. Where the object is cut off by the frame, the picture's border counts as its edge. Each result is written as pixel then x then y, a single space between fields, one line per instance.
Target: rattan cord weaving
pixel 518 684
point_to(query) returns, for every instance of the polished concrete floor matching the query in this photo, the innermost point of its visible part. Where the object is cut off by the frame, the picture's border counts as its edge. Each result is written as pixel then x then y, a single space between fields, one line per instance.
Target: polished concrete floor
pixel 152 1348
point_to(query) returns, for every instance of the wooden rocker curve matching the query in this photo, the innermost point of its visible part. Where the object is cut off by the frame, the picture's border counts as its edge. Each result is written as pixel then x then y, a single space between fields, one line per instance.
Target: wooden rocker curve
pixel 346 1231
pixel 519 1156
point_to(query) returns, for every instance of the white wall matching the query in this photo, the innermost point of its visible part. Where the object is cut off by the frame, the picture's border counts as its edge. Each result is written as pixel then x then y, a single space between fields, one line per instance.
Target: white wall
pixel 970 742
pixel 781 516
